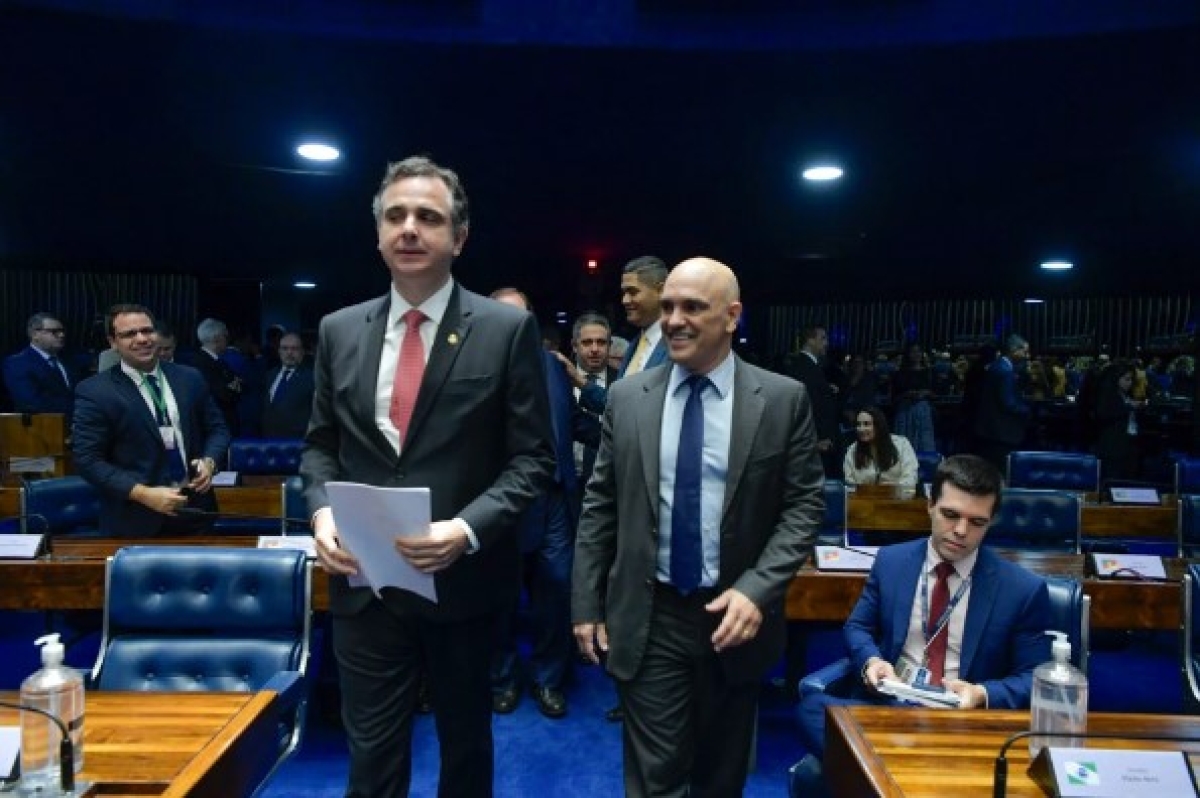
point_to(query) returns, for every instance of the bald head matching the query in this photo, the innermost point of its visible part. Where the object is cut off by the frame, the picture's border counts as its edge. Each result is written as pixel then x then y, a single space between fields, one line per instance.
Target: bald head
pixel 701 305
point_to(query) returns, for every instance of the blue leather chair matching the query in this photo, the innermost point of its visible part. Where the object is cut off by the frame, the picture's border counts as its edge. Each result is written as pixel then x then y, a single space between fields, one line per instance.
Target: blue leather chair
pixel 57 506
pixel 833 525
pixel 1070 612
pixel 1189 525
pixel 1054 470
pixel 1028 518
pixel 927 463
pixel 208 619
pixel 295 518
pixel 1187 475
pixel 1190 662
pixel 270 456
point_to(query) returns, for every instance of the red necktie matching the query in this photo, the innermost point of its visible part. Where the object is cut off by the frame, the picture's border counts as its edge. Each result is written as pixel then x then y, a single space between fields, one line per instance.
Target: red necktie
pixel 936 653
pixel 409 370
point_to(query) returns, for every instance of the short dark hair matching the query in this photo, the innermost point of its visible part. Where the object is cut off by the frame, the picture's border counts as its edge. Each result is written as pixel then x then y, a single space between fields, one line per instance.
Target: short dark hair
pixel 423 166
pixel 121 309
pixel 590 318
pixel 650 270
pixel 37 320
pixel 970 474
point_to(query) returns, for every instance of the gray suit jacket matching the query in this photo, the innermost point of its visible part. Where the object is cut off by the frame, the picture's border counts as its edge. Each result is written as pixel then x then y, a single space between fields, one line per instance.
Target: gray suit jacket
pixel 479 439
pixel 772 509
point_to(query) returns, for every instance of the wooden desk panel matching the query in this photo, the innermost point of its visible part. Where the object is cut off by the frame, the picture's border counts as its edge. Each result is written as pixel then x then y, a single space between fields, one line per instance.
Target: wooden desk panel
pixel 258 500
pixel 881 514
pixel 915 753
pixel 10 502
pixel 183 745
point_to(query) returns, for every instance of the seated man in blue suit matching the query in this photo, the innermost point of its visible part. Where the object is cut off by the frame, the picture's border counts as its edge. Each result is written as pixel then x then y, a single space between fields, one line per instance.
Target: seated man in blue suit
pixel 990 635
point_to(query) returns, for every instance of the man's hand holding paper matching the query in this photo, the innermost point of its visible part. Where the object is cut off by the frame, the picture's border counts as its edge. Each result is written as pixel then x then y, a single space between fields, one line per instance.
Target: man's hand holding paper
pixel 446 542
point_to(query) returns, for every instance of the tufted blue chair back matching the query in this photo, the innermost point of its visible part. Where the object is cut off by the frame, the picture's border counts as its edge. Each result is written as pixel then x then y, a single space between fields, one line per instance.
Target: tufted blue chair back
pixel 1187 475
pixel 927 463
pixel 265 455
pixel 60 506
pixel 1055 470
pixel 203 618
pixel 1189 525
pixel 1037 519
pixel 1070 612
pixel 295 507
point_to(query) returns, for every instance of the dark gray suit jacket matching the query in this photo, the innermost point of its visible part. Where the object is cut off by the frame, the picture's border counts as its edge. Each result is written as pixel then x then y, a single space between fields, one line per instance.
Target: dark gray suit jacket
pixel 287 416
pixel 479 439
pixel 773 507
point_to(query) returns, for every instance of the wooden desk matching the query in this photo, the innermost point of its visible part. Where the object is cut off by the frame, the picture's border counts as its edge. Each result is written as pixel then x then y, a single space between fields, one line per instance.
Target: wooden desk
pixel 10 502
pixel 73 578
pixel 914 752
pixel 176 745
pixel 1116 604
pixel 876 513
pixel 258 500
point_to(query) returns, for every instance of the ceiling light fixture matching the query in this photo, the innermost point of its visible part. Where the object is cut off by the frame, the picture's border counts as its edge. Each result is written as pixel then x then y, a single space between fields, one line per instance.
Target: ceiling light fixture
pixel 1034 301
pixel 1058 265
pixel 822 174
pixel 304 284
pixel 318 152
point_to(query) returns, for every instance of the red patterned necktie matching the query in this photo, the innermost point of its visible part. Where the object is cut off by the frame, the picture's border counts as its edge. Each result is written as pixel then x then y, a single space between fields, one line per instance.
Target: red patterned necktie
pixel 409 370
pixel 936 653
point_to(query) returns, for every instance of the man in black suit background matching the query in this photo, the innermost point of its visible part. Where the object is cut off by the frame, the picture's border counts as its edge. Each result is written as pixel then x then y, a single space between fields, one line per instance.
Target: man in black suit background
pixel 224 384
pixel 287 403
pixel 590 338
pixel 37 379
pixel 808 368
pixel 429 386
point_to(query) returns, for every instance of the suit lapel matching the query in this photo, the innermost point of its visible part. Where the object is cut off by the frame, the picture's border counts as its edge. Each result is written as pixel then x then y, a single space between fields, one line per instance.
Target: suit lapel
pixel 132 396
pixel 979 608
pixel 905 587
pixel 451 337
pixel 748 406
pixel 648 429
pixel 368 370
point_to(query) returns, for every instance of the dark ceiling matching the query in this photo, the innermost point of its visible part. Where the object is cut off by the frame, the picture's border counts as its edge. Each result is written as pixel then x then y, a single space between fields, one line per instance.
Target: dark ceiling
pixel 976 143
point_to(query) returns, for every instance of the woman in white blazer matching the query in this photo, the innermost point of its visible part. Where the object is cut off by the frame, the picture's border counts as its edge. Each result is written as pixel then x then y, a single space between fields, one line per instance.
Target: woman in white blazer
pixel 878 457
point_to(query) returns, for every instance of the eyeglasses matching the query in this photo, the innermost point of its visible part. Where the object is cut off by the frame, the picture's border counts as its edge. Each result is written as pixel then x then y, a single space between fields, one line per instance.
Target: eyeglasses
pixel 126 335
pixel 53 330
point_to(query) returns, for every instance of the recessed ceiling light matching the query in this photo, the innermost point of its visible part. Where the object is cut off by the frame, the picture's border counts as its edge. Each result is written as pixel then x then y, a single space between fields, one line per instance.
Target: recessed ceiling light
pixel 304 284
pixel 1031 300
pixel 318 152
pixel 1058 265
pixel 822 174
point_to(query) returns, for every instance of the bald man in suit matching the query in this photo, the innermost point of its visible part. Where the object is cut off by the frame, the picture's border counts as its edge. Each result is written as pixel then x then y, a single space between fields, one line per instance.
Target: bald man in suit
pixel 685 551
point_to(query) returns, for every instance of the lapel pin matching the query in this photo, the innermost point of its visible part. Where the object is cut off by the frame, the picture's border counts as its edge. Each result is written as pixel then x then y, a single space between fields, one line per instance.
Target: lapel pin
pixel 452 339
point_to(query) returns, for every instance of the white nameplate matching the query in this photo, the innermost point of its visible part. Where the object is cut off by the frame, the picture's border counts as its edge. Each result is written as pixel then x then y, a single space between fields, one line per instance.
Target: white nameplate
pixel 1129 566
pixel 10 749
pixel 20 547
pixel 304 543
pixel 845 558
pixel 1135 496
pixel 225 479
pixel 1112 773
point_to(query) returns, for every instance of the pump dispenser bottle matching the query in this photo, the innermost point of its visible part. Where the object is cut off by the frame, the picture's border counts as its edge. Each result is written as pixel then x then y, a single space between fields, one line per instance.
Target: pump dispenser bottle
pixel 1060 697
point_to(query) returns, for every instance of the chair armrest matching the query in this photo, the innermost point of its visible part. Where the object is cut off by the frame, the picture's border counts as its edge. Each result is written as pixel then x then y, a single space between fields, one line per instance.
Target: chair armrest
pixel 836 678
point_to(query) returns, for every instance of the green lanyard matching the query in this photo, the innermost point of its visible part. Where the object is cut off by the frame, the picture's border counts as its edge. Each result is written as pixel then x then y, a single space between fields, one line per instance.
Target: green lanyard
pixel 157 396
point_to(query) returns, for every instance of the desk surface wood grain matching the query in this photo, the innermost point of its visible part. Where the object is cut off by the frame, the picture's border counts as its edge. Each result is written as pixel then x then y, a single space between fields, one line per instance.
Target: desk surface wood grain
pixel 931 753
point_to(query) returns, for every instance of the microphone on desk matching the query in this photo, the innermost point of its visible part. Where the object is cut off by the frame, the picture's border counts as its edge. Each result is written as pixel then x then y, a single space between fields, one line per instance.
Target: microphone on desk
pixel 1000 774
pixel 66 751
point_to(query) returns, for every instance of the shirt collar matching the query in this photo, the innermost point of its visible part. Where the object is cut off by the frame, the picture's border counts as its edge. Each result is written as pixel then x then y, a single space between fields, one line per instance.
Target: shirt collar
pixel 45 355
pixel 434 308
pixel 139 376
pixel 721 377
pixel 652 334
pixel 963 567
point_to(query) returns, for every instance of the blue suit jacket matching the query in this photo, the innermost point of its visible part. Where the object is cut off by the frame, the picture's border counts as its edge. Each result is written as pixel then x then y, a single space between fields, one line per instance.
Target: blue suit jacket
pixel 35 387
pixel 117 444
pixel 1004 637
pixel 1002 414
pixel 658 355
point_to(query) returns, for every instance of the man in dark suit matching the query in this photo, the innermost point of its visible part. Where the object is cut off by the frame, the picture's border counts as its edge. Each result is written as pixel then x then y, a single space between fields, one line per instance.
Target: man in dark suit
pixel 223 382
pixel 991 634
pixel 287 403
pixel 808 368
pixel 1002 415
pixel 429 386
pixel 38 381
pixel 705 499
pixel 137 425
pixel 589 372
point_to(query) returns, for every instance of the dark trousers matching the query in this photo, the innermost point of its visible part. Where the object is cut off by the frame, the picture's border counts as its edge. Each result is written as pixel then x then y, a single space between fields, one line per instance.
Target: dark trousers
pixel 548 572
pixel 811 714
pixel 687 730
pixel 380 659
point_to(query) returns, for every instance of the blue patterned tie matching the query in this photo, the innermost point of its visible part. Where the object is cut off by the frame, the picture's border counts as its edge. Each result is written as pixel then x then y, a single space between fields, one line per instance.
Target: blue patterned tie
pixel 687 557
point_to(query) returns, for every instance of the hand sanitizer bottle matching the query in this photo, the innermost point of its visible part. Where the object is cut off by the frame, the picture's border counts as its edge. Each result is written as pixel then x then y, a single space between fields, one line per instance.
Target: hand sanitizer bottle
pixel 57 690
pixel 1060 696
